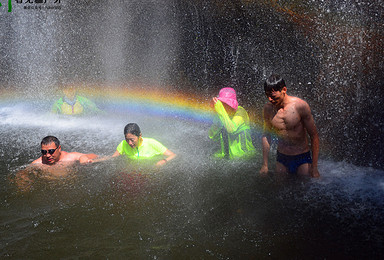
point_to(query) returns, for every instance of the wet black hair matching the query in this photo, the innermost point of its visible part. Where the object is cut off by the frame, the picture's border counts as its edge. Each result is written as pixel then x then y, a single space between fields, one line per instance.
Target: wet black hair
pixel 50 139
pixel 274 83
pixel 132 128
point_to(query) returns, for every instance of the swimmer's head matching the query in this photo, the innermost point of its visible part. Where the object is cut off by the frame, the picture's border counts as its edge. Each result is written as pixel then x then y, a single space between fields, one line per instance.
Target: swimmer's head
pixel 50 139
pixel 275 90
pixel 132 135
pixel 132 128
pixel 274 83
pixel 70 87
pixel 69 91
pixel 50 150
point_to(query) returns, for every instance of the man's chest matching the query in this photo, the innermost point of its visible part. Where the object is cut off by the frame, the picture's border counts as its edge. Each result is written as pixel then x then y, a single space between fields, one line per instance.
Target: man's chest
pixel 286 119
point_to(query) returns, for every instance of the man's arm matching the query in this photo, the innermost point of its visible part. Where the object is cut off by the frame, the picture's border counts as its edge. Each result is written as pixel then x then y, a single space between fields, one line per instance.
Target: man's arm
pixel 87 158
pixel 309 125
pixel 23 179
pixel 266 139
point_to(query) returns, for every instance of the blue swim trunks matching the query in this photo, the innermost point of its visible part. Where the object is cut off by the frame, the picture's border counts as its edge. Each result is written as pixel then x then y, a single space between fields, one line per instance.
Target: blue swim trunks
pixel 292 162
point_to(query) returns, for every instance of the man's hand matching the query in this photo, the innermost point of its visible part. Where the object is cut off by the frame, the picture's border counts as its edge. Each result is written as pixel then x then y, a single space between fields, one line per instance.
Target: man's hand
pixel 84 159
pixel 315 172
pixel 264 169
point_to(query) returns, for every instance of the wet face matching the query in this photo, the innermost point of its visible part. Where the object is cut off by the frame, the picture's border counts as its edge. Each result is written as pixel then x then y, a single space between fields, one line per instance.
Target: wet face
pixel 70 92
pixel 276 97
pixel 133 140
pixel 50 153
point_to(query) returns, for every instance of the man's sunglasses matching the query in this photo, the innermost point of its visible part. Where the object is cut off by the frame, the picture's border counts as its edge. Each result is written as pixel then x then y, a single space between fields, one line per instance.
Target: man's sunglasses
pixel 50 151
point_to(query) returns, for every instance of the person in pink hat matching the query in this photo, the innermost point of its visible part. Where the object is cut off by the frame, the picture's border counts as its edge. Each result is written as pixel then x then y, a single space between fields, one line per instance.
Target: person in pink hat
pixel 231 126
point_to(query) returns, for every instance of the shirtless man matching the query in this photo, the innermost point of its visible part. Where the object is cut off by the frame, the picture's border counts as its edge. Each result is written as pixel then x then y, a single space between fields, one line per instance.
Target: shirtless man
pixel 52 153
pixel 291 119
pixel 52 163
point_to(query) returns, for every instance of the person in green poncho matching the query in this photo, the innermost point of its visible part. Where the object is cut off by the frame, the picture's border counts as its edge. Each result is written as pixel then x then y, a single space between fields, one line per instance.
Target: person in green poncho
pixel 231 126
pixel 136 147
pixel 73 104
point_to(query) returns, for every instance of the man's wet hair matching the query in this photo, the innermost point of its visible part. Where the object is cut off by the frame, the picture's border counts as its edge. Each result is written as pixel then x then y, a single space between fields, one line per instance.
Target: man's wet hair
pixel 50 139
pixel 274 83
pixel 132 128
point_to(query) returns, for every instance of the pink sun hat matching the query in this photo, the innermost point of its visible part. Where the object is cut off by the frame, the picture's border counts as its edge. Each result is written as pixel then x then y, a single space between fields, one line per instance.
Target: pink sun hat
pixel 228 96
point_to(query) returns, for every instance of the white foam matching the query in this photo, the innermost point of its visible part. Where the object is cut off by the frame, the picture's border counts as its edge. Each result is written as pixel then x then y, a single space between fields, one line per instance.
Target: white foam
pixel 26 115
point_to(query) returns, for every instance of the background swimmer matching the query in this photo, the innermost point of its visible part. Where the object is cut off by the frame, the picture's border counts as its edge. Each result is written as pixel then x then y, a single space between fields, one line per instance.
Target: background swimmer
pixel 71 103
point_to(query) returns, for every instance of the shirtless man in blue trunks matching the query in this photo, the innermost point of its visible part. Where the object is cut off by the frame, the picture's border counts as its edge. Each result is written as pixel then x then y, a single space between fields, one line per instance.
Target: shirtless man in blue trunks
pixel 291 119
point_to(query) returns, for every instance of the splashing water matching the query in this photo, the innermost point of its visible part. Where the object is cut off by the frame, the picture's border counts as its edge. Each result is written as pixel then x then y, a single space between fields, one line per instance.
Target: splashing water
pixel 196 206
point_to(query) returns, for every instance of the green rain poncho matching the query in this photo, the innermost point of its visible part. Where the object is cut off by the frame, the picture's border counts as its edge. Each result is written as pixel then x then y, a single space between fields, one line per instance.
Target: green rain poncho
pixel 80 105
pixel 233 133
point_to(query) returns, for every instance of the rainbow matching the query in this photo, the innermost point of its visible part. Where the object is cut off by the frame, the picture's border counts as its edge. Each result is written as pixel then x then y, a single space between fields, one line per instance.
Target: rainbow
pixel 164 101
pixel 156 101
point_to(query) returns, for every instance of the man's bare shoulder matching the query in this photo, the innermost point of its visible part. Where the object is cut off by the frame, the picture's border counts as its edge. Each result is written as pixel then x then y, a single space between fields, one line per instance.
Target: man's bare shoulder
pixel 295 100
pixel 300 104
pixel 72 156
pixel 304 106
pixel 37 161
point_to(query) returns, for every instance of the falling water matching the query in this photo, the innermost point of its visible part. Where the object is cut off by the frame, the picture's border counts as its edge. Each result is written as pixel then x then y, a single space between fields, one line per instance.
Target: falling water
pixel 158 64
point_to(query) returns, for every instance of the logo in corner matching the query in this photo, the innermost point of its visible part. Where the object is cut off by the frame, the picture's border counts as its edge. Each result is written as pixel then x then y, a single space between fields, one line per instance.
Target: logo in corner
pixel 9 5
pixel 33 4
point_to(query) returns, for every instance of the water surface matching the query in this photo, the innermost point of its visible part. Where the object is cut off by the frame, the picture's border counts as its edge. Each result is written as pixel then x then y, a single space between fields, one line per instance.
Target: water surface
pixel 195 207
